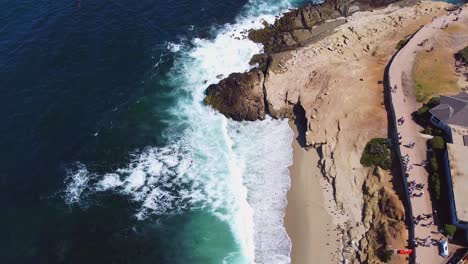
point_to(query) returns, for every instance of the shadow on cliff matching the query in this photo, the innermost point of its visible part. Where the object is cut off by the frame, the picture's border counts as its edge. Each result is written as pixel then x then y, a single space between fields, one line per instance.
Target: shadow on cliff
pixel 301 124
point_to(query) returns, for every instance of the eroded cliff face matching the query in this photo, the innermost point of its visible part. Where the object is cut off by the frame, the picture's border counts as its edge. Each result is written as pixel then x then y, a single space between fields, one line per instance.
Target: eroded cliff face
pixel 383 219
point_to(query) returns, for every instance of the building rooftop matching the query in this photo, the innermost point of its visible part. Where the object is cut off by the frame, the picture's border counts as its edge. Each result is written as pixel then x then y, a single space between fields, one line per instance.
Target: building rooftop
pixel 459 172
pixel 452 110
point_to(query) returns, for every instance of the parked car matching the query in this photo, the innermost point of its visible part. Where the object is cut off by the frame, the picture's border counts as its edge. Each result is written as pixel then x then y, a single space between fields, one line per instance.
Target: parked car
pixel 443 248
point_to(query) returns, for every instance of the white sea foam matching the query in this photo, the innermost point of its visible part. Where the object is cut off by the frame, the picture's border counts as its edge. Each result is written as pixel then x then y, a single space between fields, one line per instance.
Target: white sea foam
pixel 238 171
pixel 76 181
pixel 264 165
pixel 173 47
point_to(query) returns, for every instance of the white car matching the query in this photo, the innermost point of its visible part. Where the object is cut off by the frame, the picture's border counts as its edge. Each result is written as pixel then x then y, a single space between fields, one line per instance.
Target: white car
pixel 443 248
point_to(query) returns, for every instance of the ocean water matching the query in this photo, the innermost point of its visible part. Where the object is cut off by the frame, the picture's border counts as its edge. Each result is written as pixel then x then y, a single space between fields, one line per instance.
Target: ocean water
pixel 110 156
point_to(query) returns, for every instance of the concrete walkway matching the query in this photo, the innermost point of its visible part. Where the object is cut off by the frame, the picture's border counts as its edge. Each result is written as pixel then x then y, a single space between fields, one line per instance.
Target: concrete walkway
pixel 404 102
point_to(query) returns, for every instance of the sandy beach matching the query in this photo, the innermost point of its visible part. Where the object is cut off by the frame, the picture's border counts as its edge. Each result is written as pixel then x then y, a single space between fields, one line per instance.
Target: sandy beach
pixel 307 221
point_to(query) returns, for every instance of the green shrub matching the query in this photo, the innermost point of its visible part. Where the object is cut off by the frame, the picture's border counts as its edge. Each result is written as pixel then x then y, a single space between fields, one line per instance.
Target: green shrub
pixel 377 153
pixel 422 115
pixel 385 255
pixel 434 101
pixel 450 229
pixel 402 42
pixel 437 132
pixel 463 54
pixel 434 164
pixel 438 143
pixel 428 130
pixel 434 185
pixel 434 178
pixel 422 111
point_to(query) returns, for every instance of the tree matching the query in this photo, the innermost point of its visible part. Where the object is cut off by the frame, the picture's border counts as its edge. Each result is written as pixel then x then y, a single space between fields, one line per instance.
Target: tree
pixel 438 143
pixel 434 101
pixel 450 229
pixel 377 153
pixel 385 255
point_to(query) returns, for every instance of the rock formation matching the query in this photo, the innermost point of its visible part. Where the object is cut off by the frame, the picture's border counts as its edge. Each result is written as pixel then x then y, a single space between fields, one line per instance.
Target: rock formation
pixel 245 102
pixel 309 23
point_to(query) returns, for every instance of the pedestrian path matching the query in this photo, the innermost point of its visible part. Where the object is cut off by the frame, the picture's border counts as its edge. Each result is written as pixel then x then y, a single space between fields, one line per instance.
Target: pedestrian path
pixel 404 103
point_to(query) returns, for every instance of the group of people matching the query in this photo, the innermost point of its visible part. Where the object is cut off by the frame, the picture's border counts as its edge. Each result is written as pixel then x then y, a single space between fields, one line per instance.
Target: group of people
pixel 426 242
pixel 423 217
pixel 406 160
pixel 410 145
pixel 424 163
pixel 413 194
pixel 401 121
pixel 413 186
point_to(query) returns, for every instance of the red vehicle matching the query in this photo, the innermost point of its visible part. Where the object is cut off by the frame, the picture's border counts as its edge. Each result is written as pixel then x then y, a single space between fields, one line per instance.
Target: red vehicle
pixel 405 251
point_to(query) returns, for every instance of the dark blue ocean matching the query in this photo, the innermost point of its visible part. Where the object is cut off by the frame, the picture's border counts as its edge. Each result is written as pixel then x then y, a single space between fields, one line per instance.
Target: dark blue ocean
pixel 108 154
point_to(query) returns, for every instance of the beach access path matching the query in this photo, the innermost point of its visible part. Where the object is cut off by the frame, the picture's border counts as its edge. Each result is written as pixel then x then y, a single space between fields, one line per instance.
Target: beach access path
pixel 404 102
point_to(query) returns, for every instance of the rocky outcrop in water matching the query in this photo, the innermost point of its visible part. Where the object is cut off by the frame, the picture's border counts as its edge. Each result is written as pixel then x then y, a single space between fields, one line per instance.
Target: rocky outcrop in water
pixel 240 96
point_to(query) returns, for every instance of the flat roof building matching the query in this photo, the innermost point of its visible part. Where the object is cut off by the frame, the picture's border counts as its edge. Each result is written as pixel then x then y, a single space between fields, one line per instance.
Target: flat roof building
pixel 451 115
pixel 458 157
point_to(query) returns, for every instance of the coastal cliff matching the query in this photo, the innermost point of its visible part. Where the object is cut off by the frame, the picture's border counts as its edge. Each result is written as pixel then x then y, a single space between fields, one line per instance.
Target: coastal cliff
pixel 324 65
pixel 240 95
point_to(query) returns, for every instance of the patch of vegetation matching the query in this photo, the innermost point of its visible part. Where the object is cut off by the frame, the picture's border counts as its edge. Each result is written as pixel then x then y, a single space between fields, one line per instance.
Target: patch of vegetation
pixel 434 131
pixel 450 229
pixel 422 115
pixel 434 179
pixel 377 153
pixel 434 101
pixel 463 54
pixel 436 168
pixel 402 42
pixel 438 143
pixel 433 74
pixel 385 255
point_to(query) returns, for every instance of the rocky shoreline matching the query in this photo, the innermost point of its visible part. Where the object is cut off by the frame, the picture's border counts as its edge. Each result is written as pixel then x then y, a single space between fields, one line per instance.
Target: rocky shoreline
pixel 324 66
pixel 242 96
